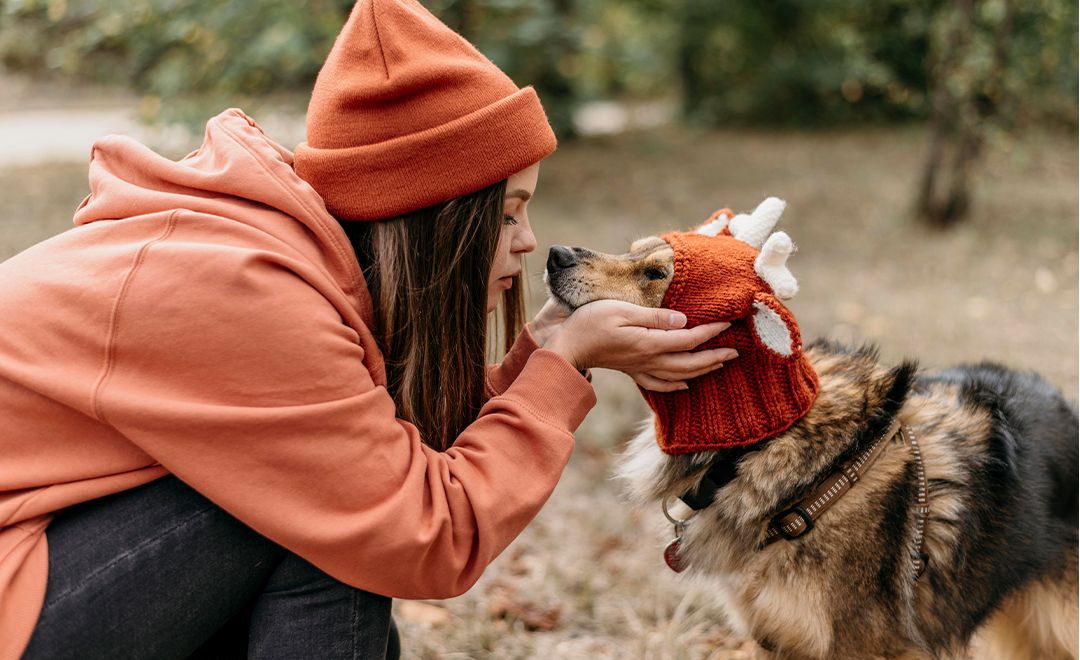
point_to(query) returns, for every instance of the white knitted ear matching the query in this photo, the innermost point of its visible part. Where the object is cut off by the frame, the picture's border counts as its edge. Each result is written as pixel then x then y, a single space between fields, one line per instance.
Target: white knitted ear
pixel 713 227
pixel 771 329
pixel 754 228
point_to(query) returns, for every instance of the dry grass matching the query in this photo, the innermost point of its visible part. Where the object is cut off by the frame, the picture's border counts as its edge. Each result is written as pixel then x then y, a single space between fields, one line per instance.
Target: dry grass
pixel 586 579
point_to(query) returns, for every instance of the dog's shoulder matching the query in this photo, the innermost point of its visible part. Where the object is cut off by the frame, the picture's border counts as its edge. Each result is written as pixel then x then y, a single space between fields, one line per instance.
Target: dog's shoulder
pixel 1030 445
pixel 858 399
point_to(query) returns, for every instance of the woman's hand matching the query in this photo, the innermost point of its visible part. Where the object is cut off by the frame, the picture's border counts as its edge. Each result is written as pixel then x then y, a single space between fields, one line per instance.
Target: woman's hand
pixel 547 321
pixel 650 345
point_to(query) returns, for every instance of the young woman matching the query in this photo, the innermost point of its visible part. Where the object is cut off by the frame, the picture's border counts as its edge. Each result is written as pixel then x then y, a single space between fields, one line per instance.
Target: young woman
pixel 245 399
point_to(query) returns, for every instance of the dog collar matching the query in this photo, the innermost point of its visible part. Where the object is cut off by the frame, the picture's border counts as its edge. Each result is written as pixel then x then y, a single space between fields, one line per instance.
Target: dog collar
pixel 720 473
pixel 800 519
pixel 792 523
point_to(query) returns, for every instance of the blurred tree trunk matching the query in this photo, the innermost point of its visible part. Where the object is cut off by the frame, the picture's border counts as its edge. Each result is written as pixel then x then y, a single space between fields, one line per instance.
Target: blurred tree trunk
pixel 963 101
pixel 551 81
pixel 691 50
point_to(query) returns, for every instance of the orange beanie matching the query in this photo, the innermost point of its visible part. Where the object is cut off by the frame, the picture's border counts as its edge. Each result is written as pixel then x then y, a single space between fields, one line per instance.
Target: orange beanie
pixel 758 394
pixel 406 114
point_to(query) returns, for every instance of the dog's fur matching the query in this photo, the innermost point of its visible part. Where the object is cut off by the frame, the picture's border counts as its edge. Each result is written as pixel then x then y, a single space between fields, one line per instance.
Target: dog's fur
pixel 1000 453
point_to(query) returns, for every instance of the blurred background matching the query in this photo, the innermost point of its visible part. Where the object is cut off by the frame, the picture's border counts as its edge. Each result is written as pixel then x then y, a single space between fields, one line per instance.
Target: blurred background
pixel 927 151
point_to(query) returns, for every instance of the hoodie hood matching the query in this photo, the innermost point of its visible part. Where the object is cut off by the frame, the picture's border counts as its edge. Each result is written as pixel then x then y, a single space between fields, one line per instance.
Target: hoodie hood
pixel 238 174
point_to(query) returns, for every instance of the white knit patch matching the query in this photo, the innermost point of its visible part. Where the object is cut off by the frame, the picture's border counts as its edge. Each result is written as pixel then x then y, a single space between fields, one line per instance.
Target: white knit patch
pixel 771 329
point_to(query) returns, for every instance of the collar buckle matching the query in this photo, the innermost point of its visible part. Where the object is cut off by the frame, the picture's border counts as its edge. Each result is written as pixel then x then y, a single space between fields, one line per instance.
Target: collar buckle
pixel 793 523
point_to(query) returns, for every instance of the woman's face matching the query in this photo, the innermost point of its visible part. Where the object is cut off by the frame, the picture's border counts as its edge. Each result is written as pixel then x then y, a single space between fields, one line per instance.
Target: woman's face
pixel 517 237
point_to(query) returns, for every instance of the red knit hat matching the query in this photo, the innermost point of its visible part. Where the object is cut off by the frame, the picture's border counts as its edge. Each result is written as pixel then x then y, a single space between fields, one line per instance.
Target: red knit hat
pixel 720 275
pixel 406 113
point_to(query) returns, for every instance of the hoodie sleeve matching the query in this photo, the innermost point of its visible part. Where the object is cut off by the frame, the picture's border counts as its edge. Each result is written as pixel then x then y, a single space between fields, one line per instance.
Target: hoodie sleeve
pixel 501 375
pixel 231 369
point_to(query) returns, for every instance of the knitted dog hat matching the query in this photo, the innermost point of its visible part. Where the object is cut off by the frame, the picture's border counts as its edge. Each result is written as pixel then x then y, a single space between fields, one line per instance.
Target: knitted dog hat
pixel 406 114
pixel 728 271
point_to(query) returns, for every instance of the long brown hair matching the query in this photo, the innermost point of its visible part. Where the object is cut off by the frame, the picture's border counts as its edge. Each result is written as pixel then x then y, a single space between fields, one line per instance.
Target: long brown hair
pixel 427 272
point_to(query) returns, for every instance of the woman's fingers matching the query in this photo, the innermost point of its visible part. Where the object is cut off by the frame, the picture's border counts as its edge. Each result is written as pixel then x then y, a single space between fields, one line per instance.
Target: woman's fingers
pixel 685 375
pixel 636 315
pixel 656 384
pixel 681 367
pixel 645 317
pixel 650 317
pixel 618 335
pixel 673 341
pixel 547 321
pixel 688 362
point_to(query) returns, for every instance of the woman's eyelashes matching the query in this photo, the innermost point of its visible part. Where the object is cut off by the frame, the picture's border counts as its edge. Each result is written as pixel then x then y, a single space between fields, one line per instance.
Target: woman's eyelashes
pixel 509 219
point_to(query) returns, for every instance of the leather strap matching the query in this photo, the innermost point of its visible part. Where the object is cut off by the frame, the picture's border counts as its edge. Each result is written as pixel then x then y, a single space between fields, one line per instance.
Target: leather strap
pixel 919 558
pixel 722 472
pixel 798 520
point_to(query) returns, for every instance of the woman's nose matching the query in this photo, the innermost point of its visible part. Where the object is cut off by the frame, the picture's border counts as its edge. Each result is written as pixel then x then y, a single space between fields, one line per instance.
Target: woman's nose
pixel 524 240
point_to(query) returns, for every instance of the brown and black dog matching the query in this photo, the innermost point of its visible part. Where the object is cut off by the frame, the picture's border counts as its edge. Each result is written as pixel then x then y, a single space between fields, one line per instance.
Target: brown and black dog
pixel 999 450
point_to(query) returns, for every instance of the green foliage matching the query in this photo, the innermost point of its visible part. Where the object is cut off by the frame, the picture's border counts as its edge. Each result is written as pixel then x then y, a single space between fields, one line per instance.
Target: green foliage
pixel 534 42
pixel 802 62
pixel 570 50
pixel 198 50
pixel 1039 83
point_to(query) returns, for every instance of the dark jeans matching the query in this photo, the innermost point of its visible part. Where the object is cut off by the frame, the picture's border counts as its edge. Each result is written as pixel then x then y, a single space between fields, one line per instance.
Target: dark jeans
pixel 161 572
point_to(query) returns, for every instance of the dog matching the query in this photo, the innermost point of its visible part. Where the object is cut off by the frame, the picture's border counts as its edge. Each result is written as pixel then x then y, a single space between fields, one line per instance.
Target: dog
pixel 987 566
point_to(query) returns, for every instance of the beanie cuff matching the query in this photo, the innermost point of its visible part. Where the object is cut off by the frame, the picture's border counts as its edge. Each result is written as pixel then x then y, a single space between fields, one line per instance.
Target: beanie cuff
pixel 407 173
pixel 730 407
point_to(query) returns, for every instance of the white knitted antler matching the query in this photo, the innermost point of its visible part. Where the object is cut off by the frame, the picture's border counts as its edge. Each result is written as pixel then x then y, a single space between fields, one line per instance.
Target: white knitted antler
pixel 770 265
pixel 755 228
pixel 713 227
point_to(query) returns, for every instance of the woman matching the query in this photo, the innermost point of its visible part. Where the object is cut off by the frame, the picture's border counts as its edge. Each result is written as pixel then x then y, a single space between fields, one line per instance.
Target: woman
pixel 240 413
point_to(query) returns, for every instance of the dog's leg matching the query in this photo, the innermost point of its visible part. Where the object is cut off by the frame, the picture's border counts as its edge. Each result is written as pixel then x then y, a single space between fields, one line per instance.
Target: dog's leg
pixel 1039 622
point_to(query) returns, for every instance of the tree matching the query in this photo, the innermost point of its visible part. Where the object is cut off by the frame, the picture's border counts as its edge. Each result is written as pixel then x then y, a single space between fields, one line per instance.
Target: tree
pixel 968 93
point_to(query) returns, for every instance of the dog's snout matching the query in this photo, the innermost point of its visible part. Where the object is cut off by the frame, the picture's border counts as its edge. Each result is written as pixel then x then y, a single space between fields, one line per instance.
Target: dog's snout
pixel 560 257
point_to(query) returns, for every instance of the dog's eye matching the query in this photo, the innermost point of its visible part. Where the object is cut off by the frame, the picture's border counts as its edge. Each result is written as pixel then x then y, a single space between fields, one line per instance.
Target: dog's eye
pixel 654 274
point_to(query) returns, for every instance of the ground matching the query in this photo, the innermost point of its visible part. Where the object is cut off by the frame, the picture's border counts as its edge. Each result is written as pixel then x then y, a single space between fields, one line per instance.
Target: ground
pixel 586 579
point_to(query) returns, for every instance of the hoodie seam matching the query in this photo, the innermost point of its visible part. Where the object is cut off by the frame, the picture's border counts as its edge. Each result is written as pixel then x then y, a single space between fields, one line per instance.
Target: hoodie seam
pixel 341 253
pixel 114 317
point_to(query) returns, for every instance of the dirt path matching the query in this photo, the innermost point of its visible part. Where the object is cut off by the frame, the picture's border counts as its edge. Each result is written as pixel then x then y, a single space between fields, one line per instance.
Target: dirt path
pixel 65 135
pixel 33 137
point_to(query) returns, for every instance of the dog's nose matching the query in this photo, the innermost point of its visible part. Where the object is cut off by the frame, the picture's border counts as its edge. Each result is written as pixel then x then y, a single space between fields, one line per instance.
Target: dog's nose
pixel 560 257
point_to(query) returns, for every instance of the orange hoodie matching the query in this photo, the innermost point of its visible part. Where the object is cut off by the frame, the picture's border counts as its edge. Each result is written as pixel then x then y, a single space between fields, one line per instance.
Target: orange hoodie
pixel 207 318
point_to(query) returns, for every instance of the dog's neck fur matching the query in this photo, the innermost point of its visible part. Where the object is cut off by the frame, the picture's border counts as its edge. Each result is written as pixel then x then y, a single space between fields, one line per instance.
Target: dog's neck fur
pixel 857 401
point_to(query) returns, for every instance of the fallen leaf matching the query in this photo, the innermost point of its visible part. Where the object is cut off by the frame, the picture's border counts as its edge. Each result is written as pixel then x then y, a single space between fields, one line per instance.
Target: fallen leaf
pixel 506 603
pixel 425 613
